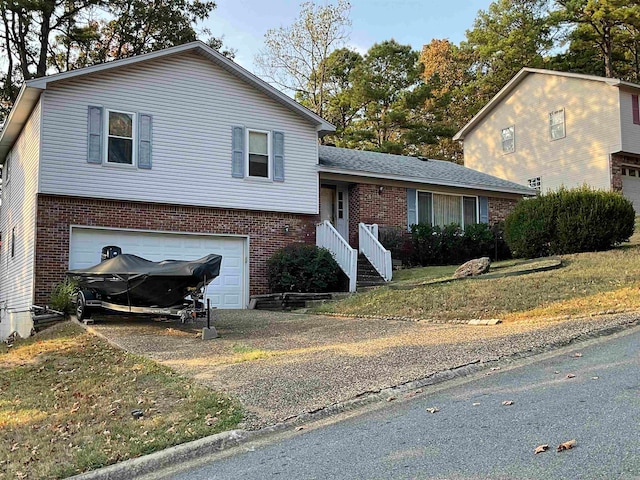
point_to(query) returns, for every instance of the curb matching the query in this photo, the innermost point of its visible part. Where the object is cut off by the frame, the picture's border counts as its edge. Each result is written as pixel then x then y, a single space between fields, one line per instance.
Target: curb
pixel 215 443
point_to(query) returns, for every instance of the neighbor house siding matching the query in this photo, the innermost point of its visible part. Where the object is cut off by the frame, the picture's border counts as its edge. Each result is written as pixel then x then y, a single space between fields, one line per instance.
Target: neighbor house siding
pixel 267 231
pixel 18 214
pixel 592 126
pixel 194 105
pixel 630 130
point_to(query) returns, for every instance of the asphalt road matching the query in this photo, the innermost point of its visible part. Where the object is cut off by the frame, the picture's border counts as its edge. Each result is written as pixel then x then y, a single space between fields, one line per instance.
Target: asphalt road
pixel 473 435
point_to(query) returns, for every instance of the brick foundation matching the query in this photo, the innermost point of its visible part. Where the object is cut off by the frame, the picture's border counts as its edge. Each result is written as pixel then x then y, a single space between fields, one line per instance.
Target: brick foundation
pixel 499 208
pixel 369 204
pixel 266 231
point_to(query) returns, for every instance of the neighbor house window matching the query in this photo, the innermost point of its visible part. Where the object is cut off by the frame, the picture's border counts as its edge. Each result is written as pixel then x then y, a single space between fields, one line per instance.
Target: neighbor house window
pixel 120 135
pixel 258 154
pixel 441 210
pixel 535 183
pixel 6 169
pixel 557 125
pixel 635 107
pixel 508 139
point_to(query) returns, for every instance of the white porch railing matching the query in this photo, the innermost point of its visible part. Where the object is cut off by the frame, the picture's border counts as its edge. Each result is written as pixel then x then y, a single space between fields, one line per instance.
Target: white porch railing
pixel 347 257
pixel 371 248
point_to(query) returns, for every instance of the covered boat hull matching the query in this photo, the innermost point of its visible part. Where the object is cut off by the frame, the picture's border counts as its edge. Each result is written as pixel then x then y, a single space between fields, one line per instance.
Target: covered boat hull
pixel 134 281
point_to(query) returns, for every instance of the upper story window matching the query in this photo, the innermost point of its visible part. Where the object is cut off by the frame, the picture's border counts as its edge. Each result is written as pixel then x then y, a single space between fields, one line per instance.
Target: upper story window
pixel 508 139
pixel 120 137
pixel 441 210
pixel 258 154
pixel 535 183
pixel 557 125
pixel 636 109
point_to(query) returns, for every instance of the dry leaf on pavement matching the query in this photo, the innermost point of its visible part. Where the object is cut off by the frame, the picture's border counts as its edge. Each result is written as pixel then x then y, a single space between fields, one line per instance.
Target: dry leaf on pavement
pixel 507 402
pixel 391 398
pixel 540 449
pixel 433 409
pixel 567 445
pixel 571 375
pixel 577 355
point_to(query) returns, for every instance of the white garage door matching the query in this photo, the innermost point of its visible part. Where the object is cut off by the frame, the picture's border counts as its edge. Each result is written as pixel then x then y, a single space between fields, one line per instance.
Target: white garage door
pixel 226 291
pixel 631 186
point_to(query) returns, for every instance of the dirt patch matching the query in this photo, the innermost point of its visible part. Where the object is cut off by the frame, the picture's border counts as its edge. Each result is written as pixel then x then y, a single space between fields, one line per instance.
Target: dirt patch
pixel 284 364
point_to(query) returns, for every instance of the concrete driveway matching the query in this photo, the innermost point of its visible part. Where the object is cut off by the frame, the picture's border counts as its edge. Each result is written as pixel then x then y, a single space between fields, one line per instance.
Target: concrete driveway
pixel 281 365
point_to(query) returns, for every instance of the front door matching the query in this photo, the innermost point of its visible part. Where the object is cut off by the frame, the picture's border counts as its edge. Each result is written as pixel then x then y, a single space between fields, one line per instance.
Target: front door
pixel 334 206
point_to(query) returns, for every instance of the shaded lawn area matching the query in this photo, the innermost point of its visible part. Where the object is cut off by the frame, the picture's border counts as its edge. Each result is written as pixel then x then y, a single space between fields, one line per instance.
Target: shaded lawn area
pixel 66 399
pixel 588 283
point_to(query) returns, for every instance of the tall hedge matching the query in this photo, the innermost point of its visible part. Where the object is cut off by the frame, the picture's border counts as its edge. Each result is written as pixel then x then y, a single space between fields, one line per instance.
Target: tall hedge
pixel 569 221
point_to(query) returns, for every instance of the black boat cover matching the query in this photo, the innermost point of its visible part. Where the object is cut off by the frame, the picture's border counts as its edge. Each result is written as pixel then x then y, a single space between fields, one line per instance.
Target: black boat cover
pixel 128 266
pixel 135 281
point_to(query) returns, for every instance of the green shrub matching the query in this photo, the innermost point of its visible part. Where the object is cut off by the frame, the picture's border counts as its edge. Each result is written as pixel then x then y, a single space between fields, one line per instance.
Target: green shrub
pixel 61 296
pixel 569 221
pixel 300 267
pixel 451 244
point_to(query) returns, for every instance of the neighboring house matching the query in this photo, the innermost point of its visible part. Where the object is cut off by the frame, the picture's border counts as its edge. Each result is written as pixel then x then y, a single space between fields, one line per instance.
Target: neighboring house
pixel 548 129
pixel 180 153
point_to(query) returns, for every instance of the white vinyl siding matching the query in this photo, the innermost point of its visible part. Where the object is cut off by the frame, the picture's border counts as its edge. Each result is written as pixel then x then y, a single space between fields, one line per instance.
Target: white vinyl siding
pixel 592 132
pixel 630 130
pixel 194 104
pixel 17 224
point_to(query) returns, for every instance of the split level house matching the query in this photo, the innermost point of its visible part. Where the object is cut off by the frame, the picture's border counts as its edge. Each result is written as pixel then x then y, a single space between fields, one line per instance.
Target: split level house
pixel 549 129
pixel 180 153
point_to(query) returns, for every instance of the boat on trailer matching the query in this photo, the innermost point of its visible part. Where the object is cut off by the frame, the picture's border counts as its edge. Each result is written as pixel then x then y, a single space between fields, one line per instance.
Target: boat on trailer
pixel 131 284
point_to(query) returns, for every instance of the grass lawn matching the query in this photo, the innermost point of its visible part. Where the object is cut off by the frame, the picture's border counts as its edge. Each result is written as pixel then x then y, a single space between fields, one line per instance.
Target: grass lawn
pixel 66 399
pixel 588 283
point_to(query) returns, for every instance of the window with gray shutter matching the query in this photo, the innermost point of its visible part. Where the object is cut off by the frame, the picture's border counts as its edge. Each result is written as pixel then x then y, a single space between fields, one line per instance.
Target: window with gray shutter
pixel 145 132
pixel 237 152
pixel 278 156
pixel 94 137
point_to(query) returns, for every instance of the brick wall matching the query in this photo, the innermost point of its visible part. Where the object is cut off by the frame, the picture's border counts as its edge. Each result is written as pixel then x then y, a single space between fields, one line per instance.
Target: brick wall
pixel 499 208
pixel 369 204
pixel 266 231
pixel 617 161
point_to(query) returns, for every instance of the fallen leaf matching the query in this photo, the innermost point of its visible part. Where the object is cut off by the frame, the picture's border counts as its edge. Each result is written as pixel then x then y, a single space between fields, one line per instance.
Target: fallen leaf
pixel 391 399
pixel 540 449
pixel 594 378
pixel 433 409
pixel 577 355
pixel 556 372
pixel 571 375
pixel 299 428
pixel 567 445
pixel 507 402
pixel 495 368
pixel 476 404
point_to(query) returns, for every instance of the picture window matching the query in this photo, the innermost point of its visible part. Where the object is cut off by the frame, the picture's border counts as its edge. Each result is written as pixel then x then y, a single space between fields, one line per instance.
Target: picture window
pixel 535 183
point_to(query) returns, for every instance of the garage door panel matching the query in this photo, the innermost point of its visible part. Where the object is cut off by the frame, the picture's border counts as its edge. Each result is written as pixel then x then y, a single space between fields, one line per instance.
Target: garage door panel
pixel 226 291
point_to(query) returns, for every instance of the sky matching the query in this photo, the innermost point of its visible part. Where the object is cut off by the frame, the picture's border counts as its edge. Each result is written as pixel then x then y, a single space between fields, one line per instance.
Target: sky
pixel 243 23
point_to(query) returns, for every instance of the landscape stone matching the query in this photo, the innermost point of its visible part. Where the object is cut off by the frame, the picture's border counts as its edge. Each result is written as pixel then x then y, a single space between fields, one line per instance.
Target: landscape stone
pixel 472 268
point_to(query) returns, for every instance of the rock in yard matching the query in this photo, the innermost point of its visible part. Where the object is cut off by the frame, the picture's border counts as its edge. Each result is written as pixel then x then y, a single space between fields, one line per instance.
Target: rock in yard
pixel 472 268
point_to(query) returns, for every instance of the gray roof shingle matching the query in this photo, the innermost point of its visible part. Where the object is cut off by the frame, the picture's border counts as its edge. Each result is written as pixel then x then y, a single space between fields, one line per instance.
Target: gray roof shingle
pixel 433 172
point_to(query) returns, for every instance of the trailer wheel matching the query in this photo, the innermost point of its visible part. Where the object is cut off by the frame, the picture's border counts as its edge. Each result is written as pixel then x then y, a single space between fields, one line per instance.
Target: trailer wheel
pixel 82 311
